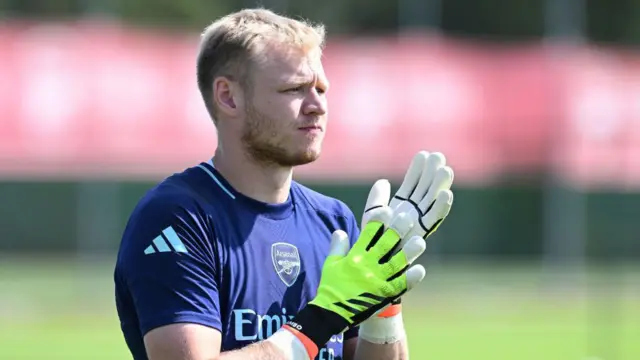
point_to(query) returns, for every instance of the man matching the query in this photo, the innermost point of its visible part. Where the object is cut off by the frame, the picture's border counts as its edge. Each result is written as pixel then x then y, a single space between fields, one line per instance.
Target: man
pixel 231 259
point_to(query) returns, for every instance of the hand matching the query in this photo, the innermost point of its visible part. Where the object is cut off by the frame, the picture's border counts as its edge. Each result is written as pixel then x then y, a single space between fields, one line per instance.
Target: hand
pixel 424 195
pixel 355 283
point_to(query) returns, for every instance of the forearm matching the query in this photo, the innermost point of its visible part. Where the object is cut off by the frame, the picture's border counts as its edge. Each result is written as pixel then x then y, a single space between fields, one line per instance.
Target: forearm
pixel 369 351
pixel 283 345
pixel 263 350
pixel 298 339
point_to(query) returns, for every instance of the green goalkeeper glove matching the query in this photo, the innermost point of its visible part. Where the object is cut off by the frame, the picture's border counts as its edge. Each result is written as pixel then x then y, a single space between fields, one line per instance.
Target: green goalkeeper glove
pixel 355 283
pixel 425 195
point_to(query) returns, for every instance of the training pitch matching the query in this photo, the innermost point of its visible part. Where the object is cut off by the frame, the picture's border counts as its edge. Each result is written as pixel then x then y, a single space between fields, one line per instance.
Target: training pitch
pixel 63 309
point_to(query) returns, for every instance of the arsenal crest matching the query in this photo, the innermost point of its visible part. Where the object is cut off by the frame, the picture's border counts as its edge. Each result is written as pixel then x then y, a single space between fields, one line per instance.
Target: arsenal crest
pixel 286 261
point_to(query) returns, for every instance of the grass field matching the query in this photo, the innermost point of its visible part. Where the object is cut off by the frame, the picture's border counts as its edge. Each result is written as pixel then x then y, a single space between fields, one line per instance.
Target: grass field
pixel 63 309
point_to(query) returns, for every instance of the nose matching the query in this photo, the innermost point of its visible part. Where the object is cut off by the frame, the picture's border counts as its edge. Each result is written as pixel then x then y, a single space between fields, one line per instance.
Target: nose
pixel 315 103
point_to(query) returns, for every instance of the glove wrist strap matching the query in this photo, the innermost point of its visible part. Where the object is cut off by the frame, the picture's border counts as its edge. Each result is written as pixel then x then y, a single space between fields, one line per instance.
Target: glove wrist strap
pixel 390 311
pixel 315 326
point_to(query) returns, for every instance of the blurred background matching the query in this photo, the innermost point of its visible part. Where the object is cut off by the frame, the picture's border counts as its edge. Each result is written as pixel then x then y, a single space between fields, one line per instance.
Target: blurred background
pixel 536 104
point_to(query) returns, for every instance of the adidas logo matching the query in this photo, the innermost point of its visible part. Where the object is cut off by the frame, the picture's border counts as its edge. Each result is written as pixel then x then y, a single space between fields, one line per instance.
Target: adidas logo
pixel 166 243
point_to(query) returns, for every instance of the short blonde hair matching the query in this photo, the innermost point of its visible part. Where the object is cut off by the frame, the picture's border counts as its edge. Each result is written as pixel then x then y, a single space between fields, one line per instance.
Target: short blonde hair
pixel 231 44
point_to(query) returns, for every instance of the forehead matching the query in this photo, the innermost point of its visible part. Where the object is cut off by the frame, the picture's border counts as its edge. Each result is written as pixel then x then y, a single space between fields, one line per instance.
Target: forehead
pixel 290 64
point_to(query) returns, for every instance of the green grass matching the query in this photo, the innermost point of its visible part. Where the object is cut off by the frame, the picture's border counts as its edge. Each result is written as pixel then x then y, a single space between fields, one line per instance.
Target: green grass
pixel 63 309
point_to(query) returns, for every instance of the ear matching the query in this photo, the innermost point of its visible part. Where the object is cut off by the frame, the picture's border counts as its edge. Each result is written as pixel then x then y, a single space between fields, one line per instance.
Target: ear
pixel 227 95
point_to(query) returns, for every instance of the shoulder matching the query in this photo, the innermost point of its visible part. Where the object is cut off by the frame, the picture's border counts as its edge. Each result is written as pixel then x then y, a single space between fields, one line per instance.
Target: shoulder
pixel 168 198
pixel 172 211
pixel 188 191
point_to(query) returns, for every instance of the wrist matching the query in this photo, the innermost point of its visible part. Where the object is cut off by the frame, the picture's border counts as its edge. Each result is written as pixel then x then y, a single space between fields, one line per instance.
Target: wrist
pixel 292 345
pixel 313 327
pixel 387 327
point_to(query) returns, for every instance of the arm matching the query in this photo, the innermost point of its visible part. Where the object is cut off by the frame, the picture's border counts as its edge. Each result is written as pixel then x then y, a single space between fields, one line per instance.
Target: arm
pixel 167 277
pixel 197 342
pixel 371 351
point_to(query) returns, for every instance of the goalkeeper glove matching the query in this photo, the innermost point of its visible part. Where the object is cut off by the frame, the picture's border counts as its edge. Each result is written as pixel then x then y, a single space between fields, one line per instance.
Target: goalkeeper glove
pixel 426 196
pixel 355 283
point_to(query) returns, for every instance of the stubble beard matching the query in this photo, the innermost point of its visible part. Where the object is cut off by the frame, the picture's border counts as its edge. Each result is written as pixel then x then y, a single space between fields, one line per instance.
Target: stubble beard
pixel 261 142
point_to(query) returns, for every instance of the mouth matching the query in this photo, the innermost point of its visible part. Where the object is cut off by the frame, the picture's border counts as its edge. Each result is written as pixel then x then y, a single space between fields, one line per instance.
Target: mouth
pixel 311 128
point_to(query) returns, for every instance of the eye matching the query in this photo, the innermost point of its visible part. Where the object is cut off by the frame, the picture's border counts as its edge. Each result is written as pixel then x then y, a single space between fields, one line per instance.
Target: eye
pixel 295 89
pixel 321 91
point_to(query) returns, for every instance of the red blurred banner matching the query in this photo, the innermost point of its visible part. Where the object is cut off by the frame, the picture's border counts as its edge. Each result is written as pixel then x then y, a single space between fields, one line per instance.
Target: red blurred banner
pixel 100 100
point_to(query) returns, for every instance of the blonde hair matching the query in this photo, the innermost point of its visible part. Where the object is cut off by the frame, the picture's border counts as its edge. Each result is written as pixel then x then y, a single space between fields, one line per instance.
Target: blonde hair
pixel 233 43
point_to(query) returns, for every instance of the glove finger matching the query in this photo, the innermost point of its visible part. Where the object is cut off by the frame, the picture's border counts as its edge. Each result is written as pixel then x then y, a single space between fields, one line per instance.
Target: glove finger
pixel 401 224
pixel 408 208
pixel 411 178
pixel 413 248
pixel 430 222
pixel 416 231
pixel 399 227
pixel 408 280
pixel 443 180
pixel 440 209
pixel 339 244
pixel 372 231
pixel 434 162
pixel 382 214
pixel 400 261
pixel 415 275
pixel 379 196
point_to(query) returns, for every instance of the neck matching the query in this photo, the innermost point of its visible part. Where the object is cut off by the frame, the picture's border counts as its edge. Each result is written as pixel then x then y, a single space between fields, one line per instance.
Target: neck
pixel 269 184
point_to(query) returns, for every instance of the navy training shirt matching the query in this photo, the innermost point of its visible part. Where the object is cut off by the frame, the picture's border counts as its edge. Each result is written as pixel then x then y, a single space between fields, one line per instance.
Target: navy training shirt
pixel 197 251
